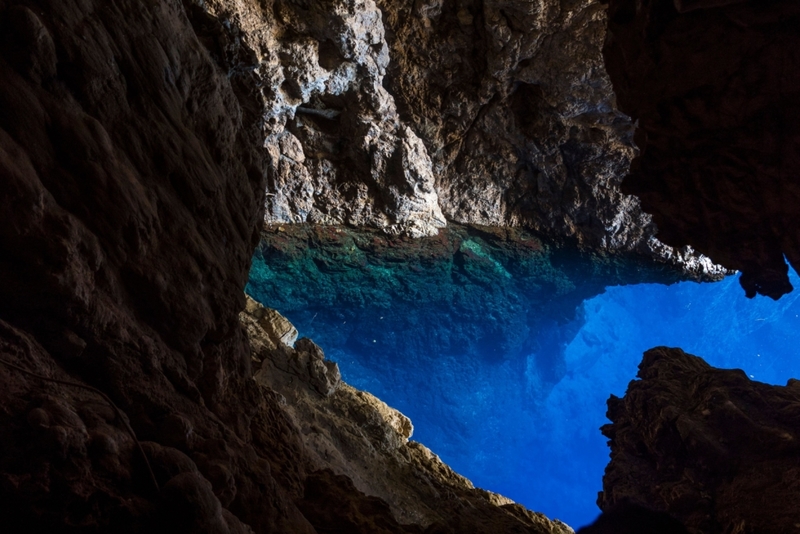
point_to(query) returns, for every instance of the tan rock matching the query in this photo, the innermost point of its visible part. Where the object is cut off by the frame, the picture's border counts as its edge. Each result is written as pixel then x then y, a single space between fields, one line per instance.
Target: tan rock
pixel 275 328
pixel 353 433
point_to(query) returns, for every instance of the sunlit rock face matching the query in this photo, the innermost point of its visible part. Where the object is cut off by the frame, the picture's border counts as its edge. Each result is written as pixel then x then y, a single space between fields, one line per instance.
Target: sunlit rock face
pixel 714 87
pixel 403 115
pixel 355 438
pixel 709 446
pixel 513 103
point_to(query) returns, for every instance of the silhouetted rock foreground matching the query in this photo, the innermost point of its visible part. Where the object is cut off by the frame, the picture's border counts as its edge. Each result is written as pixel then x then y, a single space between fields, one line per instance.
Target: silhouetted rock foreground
pixel 627 518
pixel 716 450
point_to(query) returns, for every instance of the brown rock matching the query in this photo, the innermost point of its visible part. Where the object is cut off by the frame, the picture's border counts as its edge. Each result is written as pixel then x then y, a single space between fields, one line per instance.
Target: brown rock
pixel 132 174
pixel 397 115
pixel 710 447
pixel 360 459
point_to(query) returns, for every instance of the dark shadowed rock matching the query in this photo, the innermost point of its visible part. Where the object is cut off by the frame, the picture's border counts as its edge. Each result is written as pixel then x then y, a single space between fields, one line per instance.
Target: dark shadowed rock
pixel 714 86
pixel 629 518
pixel 132 175
pixel 711 447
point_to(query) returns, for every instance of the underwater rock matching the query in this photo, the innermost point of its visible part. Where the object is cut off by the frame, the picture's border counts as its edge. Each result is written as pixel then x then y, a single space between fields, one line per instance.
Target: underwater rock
pixel 713 87
pixel 711 447
pixel 437 323
pixel 474 293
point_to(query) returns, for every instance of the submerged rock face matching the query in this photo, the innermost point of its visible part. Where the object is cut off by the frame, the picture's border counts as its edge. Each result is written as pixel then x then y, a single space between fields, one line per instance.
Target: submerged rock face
pixel 710 447
pixel 714 87
pixel 485 297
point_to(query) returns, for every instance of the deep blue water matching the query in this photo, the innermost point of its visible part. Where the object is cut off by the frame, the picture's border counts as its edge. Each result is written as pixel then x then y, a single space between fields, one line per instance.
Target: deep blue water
pixel 511 430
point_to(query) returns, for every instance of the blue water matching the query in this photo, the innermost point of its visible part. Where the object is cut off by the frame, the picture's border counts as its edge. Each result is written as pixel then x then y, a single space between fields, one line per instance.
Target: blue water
pixel 714 321
pixel 534 439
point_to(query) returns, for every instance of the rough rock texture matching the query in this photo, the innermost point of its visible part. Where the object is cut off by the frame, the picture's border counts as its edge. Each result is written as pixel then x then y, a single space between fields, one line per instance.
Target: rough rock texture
pixel 350 433
pixel 339 151
pixel 714 86
pixel 710 447
pixel 397 115
pixel 132 183
pixel 513 103
pixel 133 169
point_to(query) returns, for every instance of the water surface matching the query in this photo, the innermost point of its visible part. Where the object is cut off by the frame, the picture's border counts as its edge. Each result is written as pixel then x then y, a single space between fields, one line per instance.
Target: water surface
pixel 504 360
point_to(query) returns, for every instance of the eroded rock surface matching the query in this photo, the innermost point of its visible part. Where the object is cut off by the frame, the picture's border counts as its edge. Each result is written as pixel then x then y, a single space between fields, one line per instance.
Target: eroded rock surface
pixel 714 86
pixel 351 435
pixel 400 115
pixel 133 171
pixel 711 447
pixel 513 103
pixel 338 149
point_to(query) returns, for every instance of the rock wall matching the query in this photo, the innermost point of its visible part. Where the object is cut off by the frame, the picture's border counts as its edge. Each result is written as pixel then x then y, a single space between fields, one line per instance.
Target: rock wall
pixel 710 447
pixel 350 433
pixel 133 177
pixel 403 115
pixel 713 86
pixel 514 106
pixel 133 173
pixel 137 139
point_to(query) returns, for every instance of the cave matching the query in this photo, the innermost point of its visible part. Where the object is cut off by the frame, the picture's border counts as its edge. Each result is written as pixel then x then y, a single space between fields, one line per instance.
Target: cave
pixel 370 266
pixel 503 356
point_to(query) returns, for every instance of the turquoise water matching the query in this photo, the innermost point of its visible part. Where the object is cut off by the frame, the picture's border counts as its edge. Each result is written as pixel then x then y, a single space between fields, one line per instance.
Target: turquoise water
pixel 525 423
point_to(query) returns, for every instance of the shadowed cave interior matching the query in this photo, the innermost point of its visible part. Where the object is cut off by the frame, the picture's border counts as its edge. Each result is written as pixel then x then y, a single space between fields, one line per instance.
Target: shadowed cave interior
pixel 145 144
pixel 503 368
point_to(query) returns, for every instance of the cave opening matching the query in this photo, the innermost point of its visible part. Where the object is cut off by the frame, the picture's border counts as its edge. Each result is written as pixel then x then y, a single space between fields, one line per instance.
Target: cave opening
pixel 503 349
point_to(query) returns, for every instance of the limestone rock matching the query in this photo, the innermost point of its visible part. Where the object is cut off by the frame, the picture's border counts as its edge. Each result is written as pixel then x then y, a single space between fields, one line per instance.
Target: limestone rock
pixel 338 150
pixel 353 440
pixel 711 447
pixel 400 115
pixel 713 87
pixel 276 328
